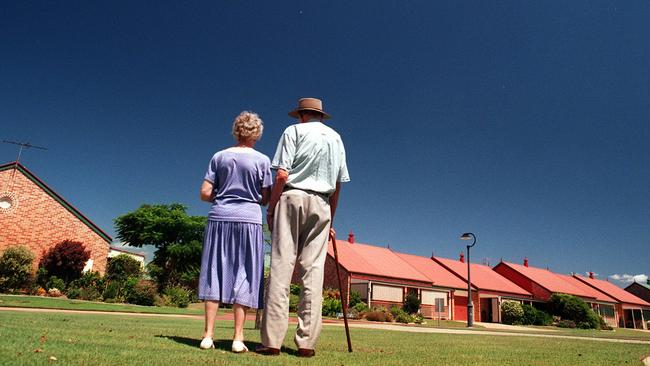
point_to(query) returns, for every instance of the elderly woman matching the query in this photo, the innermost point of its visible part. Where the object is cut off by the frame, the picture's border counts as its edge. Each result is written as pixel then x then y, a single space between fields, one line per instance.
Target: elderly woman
pixel 237 182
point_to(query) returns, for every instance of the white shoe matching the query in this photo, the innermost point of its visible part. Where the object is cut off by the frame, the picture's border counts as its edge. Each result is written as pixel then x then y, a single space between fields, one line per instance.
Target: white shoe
pixel 207 343
pixel 239 347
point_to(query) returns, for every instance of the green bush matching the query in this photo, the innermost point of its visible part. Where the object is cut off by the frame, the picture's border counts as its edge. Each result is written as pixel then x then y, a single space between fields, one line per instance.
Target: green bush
pixel 112 291
pixel 419 319
pixel 411 303
pixel 121 267
pixel 15 268
pixel 55 282
pixel 572 308
pixel 176 296
pixel 143 293
pixel 294 289
pixel 355 298
pixel 361 307
pixel 397 311
pixel 511 312
pixel 73 293
pixel 65 260
pixel 90 294
pixel 533 316
pixel 404 318
pixel 293 302
pixel 331 306
pixel 90 287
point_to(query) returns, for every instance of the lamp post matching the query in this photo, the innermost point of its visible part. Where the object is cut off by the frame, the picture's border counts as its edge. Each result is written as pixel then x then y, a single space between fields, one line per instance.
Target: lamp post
pixel 470 304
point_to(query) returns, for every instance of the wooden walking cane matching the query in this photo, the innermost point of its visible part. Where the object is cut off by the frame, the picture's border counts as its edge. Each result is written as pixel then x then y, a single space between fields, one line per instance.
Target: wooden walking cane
pixel 344 301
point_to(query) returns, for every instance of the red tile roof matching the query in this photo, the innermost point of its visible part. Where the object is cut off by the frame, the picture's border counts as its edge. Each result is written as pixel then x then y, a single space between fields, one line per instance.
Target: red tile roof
pixel 483 277
pixel 613 291
pixel 551 281
pixel 586 288
pixel 436 273
pixel 373 260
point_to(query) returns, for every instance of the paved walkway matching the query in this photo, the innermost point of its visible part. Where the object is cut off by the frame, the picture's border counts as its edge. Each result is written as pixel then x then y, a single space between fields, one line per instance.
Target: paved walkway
pixel 353 324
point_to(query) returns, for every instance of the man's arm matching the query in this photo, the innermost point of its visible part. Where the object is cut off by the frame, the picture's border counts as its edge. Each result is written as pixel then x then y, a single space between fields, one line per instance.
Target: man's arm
pixel 281 177
pixel 334 200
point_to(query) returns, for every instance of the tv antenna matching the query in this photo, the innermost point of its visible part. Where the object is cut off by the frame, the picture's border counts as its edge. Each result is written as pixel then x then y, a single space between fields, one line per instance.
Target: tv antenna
pixel 23 146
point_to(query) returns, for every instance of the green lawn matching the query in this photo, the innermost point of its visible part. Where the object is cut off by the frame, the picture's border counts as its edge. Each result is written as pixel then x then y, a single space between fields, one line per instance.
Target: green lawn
pixel 66 304
pixel 98 339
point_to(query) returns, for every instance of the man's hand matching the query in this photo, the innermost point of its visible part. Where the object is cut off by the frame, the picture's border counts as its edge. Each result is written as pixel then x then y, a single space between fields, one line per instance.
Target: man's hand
pixel 332 234
pixel 269 220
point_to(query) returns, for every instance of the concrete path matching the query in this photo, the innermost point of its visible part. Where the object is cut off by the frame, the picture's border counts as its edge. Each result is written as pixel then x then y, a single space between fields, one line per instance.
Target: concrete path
pixel 353 324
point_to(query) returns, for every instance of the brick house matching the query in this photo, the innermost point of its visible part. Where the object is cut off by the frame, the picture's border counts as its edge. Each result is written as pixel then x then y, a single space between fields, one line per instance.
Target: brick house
pixel 445 285
pixel 489 290
pixel 629 308
pixel 640 290
pixel 543 283
pixel 379 275
pixel 34 215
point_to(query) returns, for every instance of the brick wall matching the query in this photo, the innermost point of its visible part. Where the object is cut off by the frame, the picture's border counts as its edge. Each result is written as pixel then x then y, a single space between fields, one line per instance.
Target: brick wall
pixel 39 222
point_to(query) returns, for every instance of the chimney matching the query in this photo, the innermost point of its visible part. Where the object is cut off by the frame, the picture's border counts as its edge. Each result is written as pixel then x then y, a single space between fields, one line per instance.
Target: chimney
pixel 591 275
pixel 525 262
pixel 433 255
pixel 351 237
pixel 462 257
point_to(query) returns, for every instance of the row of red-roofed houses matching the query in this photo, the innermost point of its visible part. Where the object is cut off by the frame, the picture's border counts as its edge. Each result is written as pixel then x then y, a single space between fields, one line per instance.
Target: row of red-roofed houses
pixel 384 277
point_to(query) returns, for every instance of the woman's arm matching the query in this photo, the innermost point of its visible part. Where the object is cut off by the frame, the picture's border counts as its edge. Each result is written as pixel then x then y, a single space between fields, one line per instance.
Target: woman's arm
pixel 206 191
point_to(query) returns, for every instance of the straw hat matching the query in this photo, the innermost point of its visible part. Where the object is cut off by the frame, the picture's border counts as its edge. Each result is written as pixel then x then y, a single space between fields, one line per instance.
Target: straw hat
pixel 309 104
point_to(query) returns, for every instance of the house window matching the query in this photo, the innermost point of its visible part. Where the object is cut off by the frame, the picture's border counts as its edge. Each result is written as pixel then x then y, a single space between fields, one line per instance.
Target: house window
pixel 387 293
pixel 8 201
pixel 606 310
pixel 429 297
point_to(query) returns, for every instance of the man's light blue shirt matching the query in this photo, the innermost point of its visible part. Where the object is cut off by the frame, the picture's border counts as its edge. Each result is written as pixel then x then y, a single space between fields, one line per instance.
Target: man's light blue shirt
pixel 313 155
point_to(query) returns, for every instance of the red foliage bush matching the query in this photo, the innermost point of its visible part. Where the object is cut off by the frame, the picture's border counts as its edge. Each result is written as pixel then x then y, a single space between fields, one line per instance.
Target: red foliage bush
pixel 65 260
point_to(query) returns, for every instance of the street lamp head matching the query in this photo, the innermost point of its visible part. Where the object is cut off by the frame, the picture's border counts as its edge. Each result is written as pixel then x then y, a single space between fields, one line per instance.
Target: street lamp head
pixel 468 236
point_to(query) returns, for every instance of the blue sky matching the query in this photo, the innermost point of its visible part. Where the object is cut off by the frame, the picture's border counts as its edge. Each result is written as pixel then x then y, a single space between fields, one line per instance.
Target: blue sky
pixel 523 122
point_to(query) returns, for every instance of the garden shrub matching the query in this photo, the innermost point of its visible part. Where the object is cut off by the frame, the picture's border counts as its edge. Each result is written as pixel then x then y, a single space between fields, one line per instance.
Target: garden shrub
pixel 419 319
pixel 361 307
pixel 533 316
pixel 387 314
pixel 42 277
pixel 411 303
pixel 90 286
pixel 331 293
pixel 397 311
pixel 293 302
pixel 65 260
pixel 565 323
pixel 55 282
pixel 54 292
pixel 376 316
pixel 355 298
pixel 331 306
pixel 294 289
pixel 121 267
pixel 570 307
pixel 143 293
pixel 15 268
pixel 112 291
pixel 404 318
pixel 511 312
pixel 73 293
pixel 176 296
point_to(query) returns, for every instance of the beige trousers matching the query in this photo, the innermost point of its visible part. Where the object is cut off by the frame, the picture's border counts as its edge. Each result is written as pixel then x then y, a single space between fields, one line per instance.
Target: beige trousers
pixel 300 233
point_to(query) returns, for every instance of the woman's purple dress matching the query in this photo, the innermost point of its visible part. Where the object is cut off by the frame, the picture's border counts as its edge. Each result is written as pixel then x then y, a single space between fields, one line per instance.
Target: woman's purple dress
pixel 232 263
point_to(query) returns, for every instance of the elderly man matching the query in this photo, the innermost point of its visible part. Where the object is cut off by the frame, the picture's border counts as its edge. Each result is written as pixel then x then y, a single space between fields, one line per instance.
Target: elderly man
pixel 310 165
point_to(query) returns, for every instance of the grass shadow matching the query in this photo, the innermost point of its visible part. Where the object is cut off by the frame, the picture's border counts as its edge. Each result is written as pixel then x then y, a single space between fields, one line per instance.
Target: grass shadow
pixel 220 344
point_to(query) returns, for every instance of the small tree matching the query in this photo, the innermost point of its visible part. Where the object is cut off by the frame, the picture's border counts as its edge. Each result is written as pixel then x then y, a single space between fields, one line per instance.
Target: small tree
pixel 15 268
pixel 411 303
pixel 65 260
